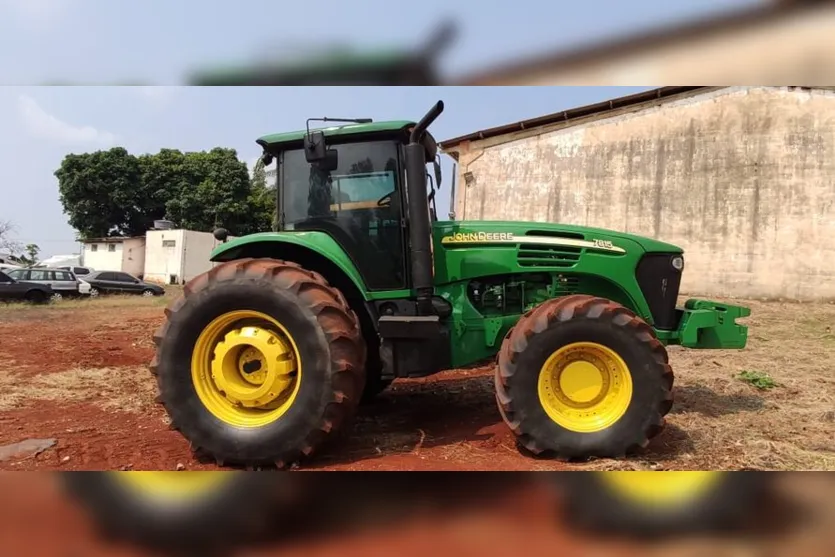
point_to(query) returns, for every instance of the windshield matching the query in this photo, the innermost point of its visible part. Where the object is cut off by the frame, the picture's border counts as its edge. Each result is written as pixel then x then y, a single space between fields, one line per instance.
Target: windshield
pixel 366 174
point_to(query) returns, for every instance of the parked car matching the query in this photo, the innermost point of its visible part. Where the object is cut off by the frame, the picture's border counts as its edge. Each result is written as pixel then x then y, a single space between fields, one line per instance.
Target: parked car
pixel 64 284
pixel 76 270
pixel 117 282
pixel 12 290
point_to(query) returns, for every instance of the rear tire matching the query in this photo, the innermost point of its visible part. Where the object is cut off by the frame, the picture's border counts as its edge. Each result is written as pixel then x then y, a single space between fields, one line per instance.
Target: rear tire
pixel 642 389
pixel 36 297
pixel 330 348
pixel 237 511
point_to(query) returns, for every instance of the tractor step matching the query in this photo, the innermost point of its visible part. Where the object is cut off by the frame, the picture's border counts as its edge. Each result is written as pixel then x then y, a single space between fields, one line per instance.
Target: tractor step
pixel 413 346
pixel 409 326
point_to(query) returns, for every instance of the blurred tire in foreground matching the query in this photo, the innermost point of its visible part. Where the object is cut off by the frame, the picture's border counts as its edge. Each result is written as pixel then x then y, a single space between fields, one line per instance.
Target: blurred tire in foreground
pixel 658 504
pixel 185 510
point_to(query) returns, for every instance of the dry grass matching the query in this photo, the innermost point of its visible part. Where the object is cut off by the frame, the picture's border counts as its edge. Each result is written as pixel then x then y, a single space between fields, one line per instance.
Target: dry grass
pixel 722 421
pixel 719 420
pixel 129 389
pixel 100 302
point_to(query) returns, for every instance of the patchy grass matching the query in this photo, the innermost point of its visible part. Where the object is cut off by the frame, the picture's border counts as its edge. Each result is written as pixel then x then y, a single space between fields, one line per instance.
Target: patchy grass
pixel 759 380
pixel 129 389
pixel 13 310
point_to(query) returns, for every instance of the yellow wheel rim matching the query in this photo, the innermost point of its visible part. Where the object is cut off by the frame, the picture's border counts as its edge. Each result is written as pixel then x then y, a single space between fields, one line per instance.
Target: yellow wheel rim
pixel 171 486
pixel 585 387
pixel 246 369
pixel 661 488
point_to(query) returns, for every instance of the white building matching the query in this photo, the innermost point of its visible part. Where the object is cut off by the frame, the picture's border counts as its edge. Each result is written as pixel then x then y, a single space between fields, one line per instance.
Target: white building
pixel 115 254
pixel 177 256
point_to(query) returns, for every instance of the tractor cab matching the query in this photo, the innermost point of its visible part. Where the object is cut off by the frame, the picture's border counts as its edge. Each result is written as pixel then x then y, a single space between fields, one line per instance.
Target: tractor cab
pixel 348 182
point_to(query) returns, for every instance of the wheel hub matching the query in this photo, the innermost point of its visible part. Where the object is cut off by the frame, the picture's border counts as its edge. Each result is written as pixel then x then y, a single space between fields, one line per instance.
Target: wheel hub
pixel 582 382
pixel 253 366
pixel 170 486
pixel 585 387
pixel 661 488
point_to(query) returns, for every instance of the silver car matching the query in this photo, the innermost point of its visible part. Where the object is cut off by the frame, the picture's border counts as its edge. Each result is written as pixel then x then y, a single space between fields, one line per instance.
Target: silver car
pixel 64 283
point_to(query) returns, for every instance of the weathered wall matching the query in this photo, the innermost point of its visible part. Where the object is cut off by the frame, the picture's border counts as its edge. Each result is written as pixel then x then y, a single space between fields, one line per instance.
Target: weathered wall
pixel 789 49
pixel 742 178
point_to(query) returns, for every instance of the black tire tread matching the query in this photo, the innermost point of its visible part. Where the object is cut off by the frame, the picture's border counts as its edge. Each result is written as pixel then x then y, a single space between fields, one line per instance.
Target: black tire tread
pixel 560 310
pixel 335 317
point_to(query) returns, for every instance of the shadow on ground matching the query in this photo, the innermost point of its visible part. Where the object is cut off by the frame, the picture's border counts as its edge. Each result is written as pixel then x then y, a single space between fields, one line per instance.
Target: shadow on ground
pixel 704 400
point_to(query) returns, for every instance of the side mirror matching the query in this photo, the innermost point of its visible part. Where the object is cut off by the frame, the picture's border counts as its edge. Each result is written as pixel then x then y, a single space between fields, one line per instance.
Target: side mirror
pixel 437 166
pixel 315 149
pixel 267 159
pixel 330 162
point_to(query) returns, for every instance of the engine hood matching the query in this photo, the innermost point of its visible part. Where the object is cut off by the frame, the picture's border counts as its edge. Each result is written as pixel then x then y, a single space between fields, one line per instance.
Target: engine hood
pixel 448 230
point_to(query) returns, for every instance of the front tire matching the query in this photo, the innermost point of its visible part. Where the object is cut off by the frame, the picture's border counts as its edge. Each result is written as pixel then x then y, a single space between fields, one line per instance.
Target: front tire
pixel 583 377
pixel 311 366
pixel 662 503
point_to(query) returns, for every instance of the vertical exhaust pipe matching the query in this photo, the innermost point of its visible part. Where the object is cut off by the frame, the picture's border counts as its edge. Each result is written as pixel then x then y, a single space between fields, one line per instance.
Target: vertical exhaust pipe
pixel 420 234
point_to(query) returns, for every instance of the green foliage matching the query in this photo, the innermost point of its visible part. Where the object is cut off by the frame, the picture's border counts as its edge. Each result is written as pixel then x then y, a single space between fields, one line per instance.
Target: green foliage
pixel 102 192
pixel 114 193
pixel 758 379
pixel 262 200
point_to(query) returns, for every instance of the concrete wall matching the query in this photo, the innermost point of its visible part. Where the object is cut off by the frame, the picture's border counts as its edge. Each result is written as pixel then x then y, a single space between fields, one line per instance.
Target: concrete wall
pixel 177 256
pixel 133 256
pixel 789 49
pixel 163 255
pixel 742 178
pixel 127 255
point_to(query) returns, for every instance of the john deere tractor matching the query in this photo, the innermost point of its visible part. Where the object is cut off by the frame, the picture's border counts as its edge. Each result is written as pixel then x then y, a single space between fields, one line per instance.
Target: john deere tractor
pixel 269 354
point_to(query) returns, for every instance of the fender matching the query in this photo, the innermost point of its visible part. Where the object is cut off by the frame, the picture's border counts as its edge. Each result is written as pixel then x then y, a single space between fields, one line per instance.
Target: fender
pixel 317 242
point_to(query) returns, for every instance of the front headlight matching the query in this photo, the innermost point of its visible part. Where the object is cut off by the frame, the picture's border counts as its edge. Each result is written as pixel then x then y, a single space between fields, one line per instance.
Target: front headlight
pixel 677 262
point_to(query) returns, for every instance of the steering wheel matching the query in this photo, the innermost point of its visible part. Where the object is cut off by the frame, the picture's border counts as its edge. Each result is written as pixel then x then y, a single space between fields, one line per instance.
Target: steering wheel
pixel 382 201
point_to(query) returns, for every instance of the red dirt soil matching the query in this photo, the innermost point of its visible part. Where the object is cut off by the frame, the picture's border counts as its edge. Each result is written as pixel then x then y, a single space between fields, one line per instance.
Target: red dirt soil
pixel 526 519
pixel 445 422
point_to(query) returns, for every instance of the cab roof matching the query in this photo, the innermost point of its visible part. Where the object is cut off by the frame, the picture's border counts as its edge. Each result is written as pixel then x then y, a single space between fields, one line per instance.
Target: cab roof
pixel 279 139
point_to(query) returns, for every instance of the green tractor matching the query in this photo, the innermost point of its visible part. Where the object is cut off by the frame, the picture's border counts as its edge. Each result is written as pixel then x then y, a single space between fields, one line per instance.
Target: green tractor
pixel 269 354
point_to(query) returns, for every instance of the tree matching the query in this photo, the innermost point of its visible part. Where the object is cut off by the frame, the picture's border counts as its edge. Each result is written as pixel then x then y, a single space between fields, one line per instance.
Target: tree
pixel 30 257
pixel 262 200
pixel 102 193
pixel 113 193
pixel 214 191
pixel 7 244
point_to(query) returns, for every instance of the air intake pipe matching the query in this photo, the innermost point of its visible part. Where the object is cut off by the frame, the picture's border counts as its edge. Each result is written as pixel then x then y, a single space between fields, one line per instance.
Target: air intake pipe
pixel 420 235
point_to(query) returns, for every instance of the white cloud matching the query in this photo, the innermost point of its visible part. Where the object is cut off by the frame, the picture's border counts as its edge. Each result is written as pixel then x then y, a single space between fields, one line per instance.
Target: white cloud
pixel 42 124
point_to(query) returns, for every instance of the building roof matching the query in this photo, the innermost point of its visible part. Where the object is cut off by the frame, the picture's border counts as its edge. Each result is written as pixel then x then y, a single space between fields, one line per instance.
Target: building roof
pixel 571 114
pixel 111 239
pixel 336 131
pixel 564 60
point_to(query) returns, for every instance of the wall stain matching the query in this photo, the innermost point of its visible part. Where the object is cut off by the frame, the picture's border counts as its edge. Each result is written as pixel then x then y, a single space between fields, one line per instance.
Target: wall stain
pixel 658 200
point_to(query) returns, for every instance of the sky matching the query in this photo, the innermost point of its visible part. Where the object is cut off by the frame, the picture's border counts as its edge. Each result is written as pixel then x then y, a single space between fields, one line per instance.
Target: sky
pixel 39 125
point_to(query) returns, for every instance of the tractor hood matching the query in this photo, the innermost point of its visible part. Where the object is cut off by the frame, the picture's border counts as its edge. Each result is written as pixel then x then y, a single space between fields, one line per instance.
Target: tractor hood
pixel 454 231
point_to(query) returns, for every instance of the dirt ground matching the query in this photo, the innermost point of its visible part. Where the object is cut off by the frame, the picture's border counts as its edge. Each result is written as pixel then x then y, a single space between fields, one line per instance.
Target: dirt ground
pixel 77 373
